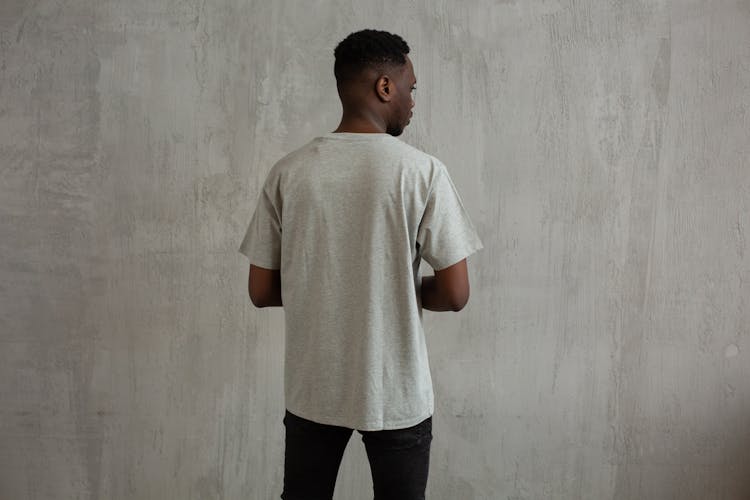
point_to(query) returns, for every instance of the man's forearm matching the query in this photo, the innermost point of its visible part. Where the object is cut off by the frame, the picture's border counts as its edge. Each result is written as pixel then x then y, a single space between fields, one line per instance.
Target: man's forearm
pixel 432 298
pixel 273 298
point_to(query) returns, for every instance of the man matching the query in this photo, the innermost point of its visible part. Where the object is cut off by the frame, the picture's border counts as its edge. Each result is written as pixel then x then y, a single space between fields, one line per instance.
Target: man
pixel 337 239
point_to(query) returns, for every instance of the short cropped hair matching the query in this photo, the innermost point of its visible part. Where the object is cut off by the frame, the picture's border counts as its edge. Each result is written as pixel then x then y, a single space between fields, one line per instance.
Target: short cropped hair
pixel 367 49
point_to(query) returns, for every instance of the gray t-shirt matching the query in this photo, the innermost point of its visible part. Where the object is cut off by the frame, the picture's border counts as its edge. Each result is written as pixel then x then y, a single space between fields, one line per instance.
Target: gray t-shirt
pixel 348 218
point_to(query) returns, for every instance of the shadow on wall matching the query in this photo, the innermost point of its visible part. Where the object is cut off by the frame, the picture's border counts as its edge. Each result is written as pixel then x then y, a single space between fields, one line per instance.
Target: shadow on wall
pixel 718 459
pixel 688 463
pixel 734 477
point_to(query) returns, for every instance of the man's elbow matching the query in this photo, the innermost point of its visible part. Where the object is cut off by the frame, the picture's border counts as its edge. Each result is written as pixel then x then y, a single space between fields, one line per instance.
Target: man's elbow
pixel 258 300
pixel 459 302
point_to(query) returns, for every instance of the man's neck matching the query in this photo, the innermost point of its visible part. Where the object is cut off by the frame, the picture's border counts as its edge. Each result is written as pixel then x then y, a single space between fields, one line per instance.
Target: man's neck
pixel 361 123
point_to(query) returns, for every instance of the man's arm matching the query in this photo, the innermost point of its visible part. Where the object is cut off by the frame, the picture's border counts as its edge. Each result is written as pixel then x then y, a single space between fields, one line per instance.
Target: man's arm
pixel 264 286
pixel 448 290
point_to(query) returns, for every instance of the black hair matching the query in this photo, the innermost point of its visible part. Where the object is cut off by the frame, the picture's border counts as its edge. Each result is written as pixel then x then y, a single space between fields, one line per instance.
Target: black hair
pixel 367 48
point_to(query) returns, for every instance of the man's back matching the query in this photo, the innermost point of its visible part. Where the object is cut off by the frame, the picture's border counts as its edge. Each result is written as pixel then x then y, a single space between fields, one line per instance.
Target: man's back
pixel 356 213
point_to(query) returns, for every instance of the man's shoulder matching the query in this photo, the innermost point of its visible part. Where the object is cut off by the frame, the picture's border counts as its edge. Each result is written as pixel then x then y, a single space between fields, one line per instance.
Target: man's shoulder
pixel 297 153
pixel 419 158
pixel 291 158
pixel 392 146
pixel 407 148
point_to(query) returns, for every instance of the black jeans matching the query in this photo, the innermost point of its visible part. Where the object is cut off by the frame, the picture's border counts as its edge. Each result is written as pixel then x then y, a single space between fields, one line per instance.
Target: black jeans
pixel 399 459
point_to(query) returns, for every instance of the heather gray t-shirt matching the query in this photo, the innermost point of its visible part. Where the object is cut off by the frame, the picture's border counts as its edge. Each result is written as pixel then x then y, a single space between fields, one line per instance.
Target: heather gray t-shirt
pixel 348 218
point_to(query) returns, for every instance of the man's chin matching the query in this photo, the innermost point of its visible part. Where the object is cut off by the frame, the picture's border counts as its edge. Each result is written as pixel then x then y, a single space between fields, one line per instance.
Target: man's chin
pixel 395 132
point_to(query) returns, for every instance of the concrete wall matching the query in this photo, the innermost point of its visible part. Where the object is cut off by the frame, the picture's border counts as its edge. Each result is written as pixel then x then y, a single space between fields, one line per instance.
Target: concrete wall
pixel 601 147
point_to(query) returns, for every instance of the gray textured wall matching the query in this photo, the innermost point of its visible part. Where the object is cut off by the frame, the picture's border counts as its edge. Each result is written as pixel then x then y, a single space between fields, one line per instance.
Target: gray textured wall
pixel 601 147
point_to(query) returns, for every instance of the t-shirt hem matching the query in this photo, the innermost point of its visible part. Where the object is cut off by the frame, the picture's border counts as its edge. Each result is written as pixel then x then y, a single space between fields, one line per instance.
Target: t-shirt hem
pixel 365 426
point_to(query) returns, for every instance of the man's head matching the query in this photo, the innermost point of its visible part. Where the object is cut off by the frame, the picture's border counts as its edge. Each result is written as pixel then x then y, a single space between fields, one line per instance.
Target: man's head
pixel 375 75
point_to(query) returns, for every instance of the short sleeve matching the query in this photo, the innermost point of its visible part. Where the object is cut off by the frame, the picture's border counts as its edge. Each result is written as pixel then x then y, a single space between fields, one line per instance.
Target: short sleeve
pixel 262 242
pixel 446 234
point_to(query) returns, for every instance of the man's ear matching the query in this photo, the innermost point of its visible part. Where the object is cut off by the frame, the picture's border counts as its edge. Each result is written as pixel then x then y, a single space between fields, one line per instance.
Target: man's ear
pixel 384 88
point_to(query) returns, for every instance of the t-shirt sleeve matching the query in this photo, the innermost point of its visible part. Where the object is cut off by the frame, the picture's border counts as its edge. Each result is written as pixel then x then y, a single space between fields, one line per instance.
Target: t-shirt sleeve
pixel 446 234
pixel 262 242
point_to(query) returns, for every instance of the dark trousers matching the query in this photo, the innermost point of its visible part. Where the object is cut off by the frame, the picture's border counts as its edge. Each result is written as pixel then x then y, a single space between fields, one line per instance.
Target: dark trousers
pixel 399 459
